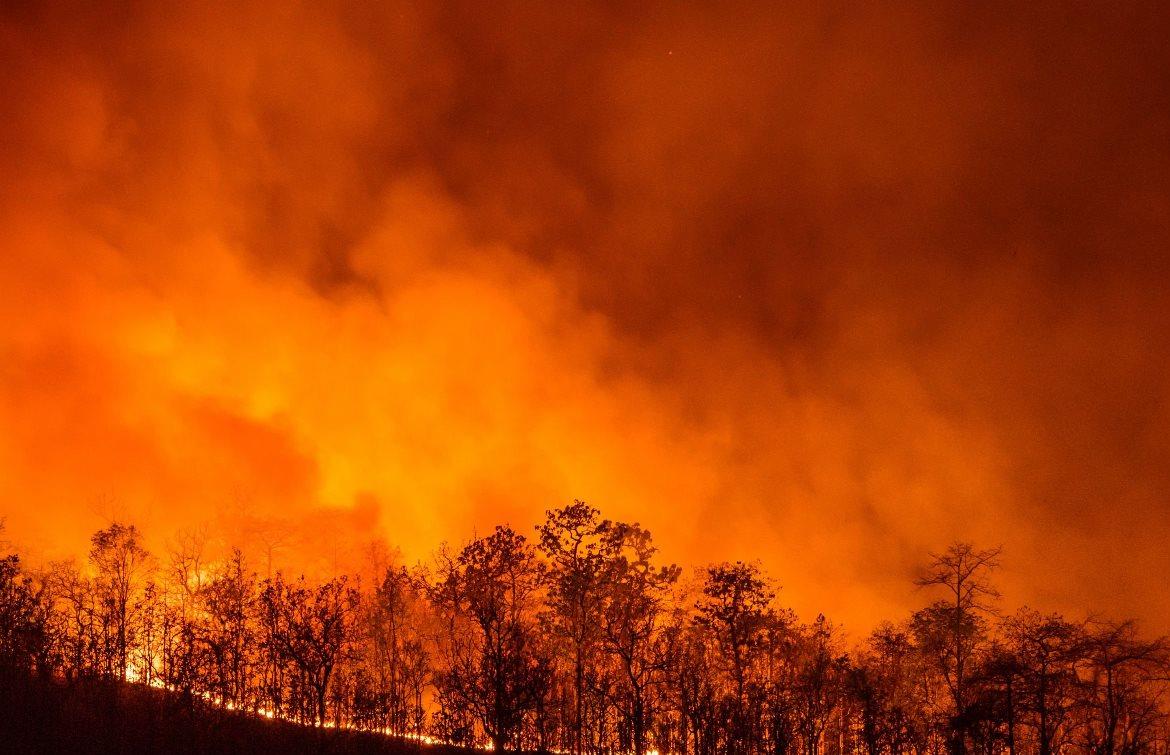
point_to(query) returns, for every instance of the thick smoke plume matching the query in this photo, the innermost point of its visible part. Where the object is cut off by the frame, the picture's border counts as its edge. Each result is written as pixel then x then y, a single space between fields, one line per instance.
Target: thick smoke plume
pixel 824 286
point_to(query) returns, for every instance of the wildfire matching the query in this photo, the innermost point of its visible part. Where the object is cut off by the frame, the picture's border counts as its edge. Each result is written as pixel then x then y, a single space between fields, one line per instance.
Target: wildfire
pixel 135 676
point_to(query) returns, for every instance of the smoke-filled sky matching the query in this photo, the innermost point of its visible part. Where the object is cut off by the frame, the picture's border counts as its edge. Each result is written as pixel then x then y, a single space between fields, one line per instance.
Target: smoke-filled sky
pixel 827 286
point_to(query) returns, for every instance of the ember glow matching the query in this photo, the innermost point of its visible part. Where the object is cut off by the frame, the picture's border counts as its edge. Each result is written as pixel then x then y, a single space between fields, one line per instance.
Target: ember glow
pixel 827 288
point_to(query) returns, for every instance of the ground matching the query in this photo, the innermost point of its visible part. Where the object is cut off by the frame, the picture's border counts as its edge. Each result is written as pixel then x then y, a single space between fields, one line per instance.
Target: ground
pixel 99 717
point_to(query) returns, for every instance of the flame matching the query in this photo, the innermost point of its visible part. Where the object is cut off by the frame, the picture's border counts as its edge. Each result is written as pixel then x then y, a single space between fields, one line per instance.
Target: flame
pixel 262 269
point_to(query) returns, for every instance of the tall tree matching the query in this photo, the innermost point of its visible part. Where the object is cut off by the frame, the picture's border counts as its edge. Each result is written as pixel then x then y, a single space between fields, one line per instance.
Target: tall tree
pixel 819 683
pixel 229 601
pixel 637 594
pixel 1124 678
pixel 311 626
pixel 884 683
pixel 1044 652
pixel 122 566
pixel 950 630
pixel 397 653
pixel 736 608
pixel 496 669
pixel 23 618
pixel 572 539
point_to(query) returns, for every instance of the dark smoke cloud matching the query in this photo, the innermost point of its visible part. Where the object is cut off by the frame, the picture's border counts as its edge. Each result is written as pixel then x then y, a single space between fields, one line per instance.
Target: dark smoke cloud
pixel 824 285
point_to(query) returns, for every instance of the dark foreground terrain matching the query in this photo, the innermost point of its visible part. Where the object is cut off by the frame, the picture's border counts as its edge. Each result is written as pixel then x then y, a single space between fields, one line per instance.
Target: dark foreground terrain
pixel 101 716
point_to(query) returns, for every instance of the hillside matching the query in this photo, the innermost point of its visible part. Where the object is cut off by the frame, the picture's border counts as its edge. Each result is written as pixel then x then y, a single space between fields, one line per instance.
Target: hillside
pixel 100 717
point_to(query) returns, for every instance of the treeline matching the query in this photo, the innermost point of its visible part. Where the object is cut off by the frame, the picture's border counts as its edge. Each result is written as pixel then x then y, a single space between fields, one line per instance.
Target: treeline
pixel 578 640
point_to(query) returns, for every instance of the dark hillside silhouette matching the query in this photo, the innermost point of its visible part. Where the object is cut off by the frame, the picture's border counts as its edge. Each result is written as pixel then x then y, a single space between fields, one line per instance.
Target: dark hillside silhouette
pixel 108 717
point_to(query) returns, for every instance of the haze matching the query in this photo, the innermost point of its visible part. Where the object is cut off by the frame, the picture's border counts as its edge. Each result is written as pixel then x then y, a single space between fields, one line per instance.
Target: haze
pixel 825 286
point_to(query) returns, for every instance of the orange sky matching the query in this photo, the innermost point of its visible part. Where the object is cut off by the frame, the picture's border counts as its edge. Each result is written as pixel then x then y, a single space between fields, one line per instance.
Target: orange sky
pixel 824 286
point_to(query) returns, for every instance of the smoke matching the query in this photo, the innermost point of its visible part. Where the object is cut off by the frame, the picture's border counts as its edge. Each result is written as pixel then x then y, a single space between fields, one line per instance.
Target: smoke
pixel 827 287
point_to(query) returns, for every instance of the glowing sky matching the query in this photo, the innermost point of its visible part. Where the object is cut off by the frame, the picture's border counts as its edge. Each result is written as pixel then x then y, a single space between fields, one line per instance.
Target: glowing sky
pixel 824 286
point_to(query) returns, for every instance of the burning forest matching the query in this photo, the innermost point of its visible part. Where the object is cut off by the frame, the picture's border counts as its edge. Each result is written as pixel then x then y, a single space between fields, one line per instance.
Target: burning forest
pixel 580 639
pixel 317 316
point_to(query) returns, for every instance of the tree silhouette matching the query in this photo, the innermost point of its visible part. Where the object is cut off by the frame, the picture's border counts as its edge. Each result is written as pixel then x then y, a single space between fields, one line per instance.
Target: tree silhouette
pixel 637 597
pixel 497 670
pixel 571 538
pixel 736 608
pixel 121 563
pixel 584 643
pixel 951 630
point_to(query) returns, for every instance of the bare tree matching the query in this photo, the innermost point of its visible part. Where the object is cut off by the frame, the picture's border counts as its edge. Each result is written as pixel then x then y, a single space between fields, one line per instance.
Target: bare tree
pixel 1043 655
pixel 887 698
pixel 497 669
pixel 187 562
pixel 571 538
pixel 397 655
pixel 122 565
pixel 23 619
pixel 637 593
pixel 228 602
pixel 819 683
pixel 310 627
pixel 1123 675
pixel 951 629
pixel 736 608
